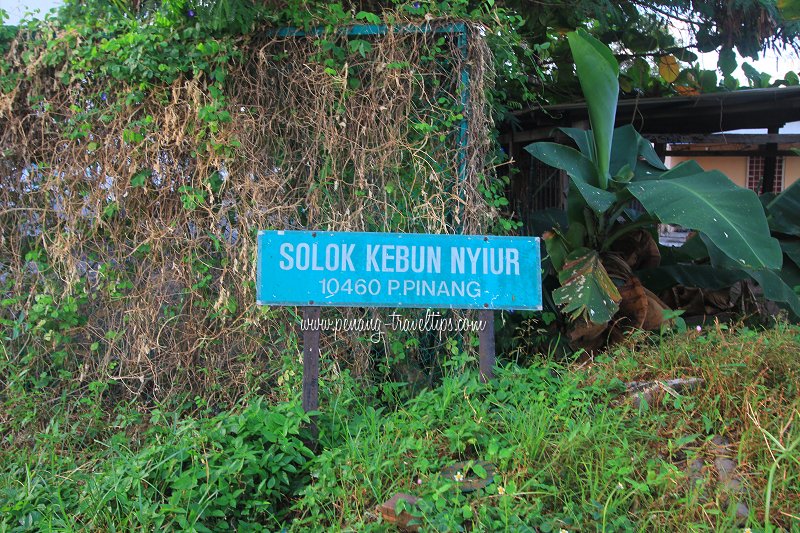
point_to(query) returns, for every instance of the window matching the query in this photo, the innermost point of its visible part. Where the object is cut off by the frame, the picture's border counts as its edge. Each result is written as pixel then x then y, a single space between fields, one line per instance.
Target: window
pixel 755 173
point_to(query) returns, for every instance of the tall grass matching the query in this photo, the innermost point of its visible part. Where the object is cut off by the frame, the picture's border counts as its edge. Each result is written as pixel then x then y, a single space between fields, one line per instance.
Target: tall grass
pixel 571 450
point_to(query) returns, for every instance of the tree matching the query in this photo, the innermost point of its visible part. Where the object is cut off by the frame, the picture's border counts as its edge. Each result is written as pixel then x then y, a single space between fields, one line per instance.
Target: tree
pixel 641 34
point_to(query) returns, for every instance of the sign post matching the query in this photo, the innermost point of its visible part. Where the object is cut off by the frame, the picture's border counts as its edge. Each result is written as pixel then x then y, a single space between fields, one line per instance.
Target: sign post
pixel 486 345
pixel 311 363
pixel 315 269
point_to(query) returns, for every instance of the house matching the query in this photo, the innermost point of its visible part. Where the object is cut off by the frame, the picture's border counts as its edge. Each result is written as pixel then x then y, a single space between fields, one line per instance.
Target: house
pixel 680 128
pixel 745 157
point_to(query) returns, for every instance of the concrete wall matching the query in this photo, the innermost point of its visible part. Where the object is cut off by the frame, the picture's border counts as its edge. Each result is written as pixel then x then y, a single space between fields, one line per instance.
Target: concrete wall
pixel 736 167
pixel 791 170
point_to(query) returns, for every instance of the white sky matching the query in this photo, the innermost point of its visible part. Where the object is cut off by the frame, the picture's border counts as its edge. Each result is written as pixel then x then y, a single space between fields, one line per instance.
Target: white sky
pixel 17 8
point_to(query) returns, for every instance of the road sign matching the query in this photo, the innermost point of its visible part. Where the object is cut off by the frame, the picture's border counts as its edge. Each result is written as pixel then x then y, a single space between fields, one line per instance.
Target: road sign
pixel 348 269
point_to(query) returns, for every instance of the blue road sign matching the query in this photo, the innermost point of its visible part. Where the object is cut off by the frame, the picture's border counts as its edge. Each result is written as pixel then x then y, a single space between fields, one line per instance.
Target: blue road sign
pixel 346 269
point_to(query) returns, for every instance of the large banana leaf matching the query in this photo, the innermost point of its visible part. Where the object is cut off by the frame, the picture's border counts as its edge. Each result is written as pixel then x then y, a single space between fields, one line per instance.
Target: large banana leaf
pixel 730 216
pixel 790 273
pixel 627 147
pixel 624 148
pixel 682 169
pixel 691 251
pixel 792 250
pixel 774 286
pixel 783 212
pixel 649 154
pixel 545 220
pixel 559 244
pixel 586 290
pixel 598 73
pixel 599 200
pixel 568 159
pixel 776 289
pixel 709 277
pixel 580 170
pixel 584 140
pixel 703 276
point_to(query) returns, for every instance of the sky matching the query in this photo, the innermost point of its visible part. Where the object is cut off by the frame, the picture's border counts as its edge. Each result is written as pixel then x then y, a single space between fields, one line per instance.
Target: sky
pixel 17 8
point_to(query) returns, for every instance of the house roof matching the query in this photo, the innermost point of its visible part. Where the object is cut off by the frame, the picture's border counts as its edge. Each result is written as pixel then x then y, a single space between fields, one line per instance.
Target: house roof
pixel 705 113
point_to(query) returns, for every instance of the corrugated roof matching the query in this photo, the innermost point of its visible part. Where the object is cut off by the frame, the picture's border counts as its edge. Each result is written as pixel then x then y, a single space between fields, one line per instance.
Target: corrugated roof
pixel 705 113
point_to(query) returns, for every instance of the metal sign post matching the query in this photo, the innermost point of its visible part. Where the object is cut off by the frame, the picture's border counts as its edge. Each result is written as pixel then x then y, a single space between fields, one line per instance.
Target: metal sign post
pixel 315 269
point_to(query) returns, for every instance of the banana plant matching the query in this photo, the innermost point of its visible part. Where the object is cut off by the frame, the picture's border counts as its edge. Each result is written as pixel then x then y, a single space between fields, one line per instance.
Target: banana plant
pixel 610 170
pixel 706 267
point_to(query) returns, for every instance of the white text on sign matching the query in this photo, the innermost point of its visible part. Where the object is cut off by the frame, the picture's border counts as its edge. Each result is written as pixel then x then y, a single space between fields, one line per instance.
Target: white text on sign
pixel 401 259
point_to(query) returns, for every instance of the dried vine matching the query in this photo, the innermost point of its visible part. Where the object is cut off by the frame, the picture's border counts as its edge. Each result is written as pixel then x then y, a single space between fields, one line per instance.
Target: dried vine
pixel 129 214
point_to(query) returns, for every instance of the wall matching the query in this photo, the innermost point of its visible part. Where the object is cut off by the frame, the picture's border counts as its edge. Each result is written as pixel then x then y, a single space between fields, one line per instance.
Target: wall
pixel 733 167
pixel 791 171
pixel 736 167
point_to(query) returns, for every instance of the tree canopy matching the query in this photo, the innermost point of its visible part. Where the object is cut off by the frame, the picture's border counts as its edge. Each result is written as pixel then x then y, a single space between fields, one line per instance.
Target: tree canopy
pixel 643 35
pixel 533 58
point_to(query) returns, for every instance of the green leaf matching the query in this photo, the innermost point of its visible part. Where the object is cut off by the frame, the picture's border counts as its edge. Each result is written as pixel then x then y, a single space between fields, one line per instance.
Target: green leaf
pixel 586 290
pixel 639 73
pixel 685 168
pixel 792 250
pixel 752 74
pixel 624 175
pixel 140 178
pixel 646 172
pixel 649 154
pixel 558 245
pixel 597 199
pixel 624 149
pixel 776 290
pixel 790 273
pixel 709 202
pixel 583 138
pixel 597 71
pixel 727 61
pixel 789 9
pixel 546 219
pixel 766 198
pixel 708 81
pixel 783 212
pixel 578 167
pixel 565 158
pixel 369 18
pixel 703 276
pixel 479 470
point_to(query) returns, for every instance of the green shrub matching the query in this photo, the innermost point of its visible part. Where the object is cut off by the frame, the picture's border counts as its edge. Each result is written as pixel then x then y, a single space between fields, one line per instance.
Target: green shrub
pixel 235 470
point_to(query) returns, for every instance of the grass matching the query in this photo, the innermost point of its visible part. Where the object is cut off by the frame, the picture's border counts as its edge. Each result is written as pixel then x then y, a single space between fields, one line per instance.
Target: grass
pixel 572 451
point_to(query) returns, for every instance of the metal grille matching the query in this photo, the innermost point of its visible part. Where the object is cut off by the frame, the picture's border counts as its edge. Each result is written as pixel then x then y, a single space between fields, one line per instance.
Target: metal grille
pixel 755 174
pixel 548 187
pixel 534 187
